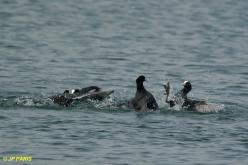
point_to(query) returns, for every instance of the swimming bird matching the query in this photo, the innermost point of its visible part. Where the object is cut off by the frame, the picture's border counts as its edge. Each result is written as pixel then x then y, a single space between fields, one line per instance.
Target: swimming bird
pixel 181 97
pixel 143 100
pixel 80 95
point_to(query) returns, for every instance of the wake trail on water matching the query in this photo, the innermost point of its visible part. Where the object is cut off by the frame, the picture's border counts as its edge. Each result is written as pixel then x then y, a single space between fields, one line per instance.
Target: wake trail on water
pixel 114 103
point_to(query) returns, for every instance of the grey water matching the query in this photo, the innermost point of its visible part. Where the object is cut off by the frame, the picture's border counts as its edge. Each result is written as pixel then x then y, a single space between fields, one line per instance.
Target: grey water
pixel 47 46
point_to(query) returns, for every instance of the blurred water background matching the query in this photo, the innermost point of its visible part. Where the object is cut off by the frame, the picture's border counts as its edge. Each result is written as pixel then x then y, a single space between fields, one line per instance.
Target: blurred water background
pixel 47 46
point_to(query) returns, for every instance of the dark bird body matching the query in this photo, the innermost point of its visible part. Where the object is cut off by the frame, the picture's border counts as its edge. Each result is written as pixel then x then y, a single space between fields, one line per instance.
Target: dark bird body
pixel 181 98
pixel 80 95
pixel 143 100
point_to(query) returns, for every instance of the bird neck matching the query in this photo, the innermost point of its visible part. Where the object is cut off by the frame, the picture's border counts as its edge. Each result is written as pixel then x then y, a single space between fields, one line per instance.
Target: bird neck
pixel 140 86
pixel 184 93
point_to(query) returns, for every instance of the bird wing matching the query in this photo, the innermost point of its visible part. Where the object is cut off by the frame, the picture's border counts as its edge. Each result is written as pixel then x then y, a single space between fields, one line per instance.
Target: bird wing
pixel 151 101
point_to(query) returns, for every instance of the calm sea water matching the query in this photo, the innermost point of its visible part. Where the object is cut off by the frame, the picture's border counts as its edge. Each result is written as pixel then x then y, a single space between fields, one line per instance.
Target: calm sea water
pixel 48 46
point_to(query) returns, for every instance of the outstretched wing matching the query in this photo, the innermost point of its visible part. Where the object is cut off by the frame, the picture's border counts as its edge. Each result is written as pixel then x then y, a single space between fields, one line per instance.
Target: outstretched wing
pixel 89 89
pixel 151 102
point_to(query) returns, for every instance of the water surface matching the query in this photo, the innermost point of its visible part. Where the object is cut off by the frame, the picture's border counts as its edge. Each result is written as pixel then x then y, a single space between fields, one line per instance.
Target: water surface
pixel 49 46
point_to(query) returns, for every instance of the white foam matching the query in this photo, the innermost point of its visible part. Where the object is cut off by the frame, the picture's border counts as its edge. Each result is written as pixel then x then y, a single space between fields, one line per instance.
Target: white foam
pixel 209 107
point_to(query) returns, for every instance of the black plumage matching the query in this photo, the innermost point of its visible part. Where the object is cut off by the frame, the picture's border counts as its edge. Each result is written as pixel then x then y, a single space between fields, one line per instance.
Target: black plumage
pixel 143 99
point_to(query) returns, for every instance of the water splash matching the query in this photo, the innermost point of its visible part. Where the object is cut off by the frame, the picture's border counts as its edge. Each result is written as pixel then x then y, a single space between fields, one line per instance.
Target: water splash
pixel 26 101
pixel 112 103
pixel 210 107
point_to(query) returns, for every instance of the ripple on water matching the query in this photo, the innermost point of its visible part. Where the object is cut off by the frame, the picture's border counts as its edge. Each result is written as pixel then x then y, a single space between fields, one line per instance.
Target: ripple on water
pixel 47 47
